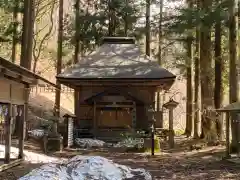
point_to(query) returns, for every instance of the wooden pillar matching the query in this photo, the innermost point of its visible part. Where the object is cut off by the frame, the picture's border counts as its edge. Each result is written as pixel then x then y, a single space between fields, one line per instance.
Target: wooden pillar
pixel 162 100
pixel 21 133
pixel 171 131
pixel 76 101
pixel 94 120
pixel 65 135
pixel 158 110
pixel 23 122
pixel 134 120
pixel 7 130
pixel 158 101
pixel 227 135
pixel 236 121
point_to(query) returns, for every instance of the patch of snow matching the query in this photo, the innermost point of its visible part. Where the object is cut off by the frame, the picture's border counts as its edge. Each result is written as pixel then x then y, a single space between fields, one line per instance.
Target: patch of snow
pixel 36 133
pixel 88 142
pixel 40 158
pixel 87 167
pixel 47 172
pixel 130 143
pixel 30 156
pixel 13 152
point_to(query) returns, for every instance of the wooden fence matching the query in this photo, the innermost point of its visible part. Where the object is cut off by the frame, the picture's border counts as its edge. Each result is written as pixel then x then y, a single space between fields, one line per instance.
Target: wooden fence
pixel 50 89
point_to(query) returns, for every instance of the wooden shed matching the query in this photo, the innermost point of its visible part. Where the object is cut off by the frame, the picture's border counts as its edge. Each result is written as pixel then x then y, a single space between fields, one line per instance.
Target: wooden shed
pixel 15 83
pixel 115 86
pixel 233 108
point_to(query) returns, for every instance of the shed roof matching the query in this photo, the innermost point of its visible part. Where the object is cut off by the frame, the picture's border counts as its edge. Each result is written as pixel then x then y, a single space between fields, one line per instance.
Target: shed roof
pixel 18 73
pixel 116 61
pixel 233 107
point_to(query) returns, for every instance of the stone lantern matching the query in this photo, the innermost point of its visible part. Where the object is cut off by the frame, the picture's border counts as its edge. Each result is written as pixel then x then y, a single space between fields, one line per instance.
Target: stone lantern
pixel 171 105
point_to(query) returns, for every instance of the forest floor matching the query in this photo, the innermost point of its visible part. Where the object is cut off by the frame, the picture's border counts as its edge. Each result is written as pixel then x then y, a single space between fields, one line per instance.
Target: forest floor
pixel 180 163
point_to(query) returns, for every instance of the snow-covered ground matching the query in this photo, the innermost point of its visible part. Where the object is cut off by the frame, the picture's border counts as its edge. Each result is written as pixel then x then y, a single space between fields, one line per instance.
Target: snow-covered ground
pixel 79 167
pixel 87 167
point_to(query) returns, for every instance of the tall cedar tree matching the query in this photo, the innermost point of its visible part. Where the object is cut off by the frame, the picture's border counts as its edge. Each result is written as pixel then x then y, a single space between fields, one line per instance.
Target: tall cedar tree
pixel 77 50
pixel 160 56
pixel 160 32
pixel 208 127
pixel 189 104
pixel 59 58
pixel 197 82
pixel 218 90
pixel 27 33
pixel 233 74
pixel 147 29
pixel 15 28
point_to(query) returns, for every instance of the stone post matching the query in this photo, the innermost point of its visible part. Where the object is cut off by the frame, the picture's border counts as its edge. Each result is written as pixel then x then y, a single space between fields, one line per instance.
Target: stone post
pixel 171 105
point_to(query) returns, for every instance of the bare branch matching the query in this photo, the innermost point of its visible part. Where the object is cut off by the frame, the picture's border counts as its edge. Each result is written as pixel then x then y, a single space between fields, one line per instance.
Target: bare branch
pixel 37 51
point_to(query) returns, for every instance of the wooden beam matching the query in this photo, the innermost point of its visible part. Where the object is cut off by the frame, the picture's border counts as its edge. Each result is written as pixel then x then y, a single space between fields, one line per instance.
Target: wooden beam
pixel 116 106
pixel 10 165
pixel 7 125
pixel 14 79
pixel 99 83
pixel 14 76
pixel 28 80
pixel 161 83
pixel 2 71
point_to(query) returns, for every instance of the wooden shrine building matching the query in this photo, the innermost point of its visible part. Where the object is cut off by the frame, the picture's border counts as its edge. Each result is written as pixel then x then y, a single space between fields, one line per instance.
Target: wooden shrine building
pixel 115 86
pixel 15 83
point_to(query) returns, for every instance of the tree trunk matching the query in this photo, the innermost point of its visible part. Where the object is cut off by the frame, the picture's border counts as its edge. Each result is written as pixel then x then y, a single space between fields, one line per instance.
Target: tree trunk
pixel 30 32
pixel 147 29
pixel 233 74
pixel 188 63
pixel 189 108
pixel 15 31
pixel 209 131
pixel 126 20
pixel 110 18
pixel 25 30
pixel 59 58
pixel 197 83
pixel 160 33
pixel 77 51
pixel 218 95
